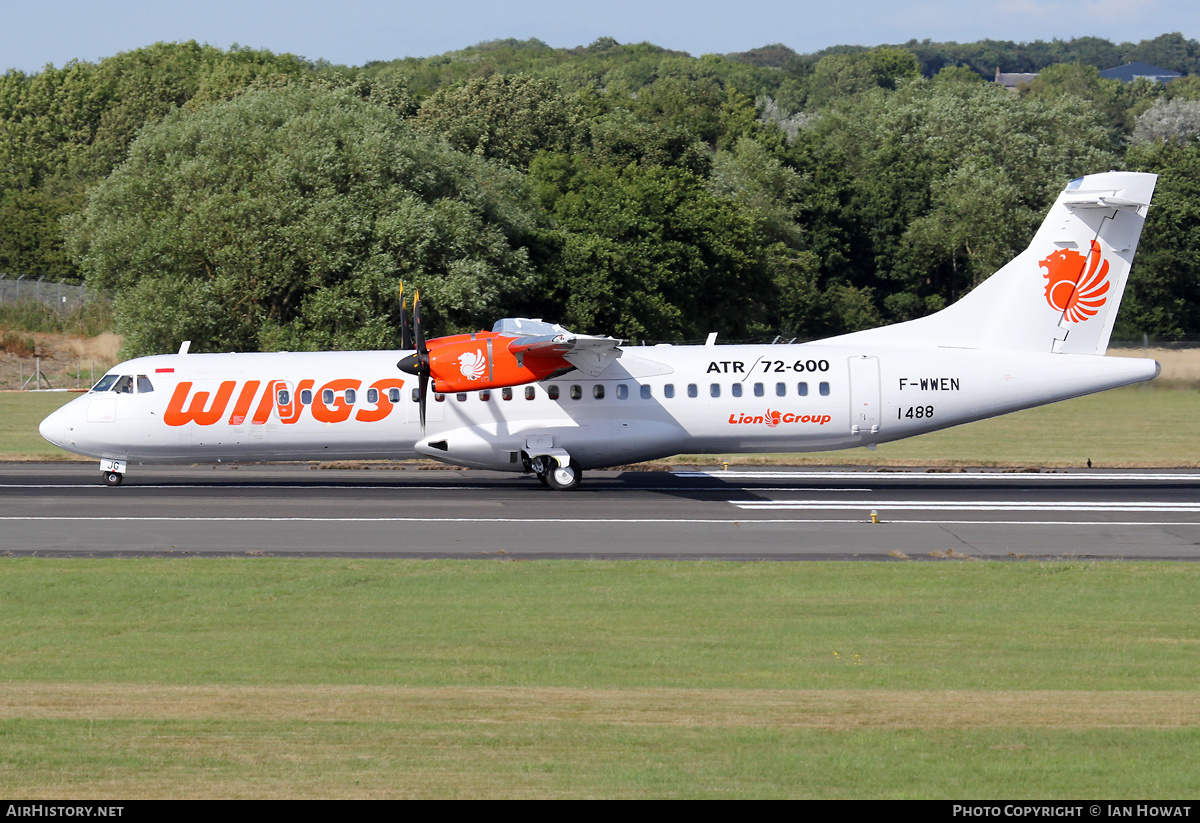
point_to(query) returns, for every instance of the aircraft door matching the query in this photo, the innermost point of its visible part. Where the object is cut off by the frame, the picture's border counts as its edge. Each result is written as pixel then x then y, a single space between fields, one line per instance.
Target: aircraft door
pixel 864 395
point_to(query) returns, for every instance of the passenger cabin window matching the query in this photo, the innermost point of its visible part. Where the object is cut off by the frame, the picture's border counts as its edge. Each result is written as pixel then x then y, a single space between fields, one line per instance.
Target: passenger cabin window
pixel 781 389
pixel 758 389
pixel 327 397
pixel 144 385
pixel 692 390
pixel 645 392
pixel 351 396
pixel 552 391
pixel 622 391
pixel 283 397
pixel 306 397
pixel 485 395
pixel 416 395
pixel 715 390
pixel 598 391
pixel 530 392
pixel 736 390
pixel 824 388
pixel 669 390
pixel 506 394
pixel 372 396
pixel 802 389
pixel 461 396
pixel 394 395
pixel 439 398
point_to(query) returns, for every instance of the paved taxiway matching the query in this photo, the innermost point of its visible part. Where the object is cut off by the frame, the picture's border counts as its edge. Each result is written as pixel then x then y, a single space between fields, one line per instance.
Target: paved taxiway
pixel 789 514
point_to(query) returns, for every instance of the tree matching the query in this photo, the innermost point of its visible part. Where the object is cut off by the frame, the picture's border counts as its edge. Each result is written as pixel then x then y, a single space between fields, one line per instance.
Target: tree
pixel 933 187
pixel 1163 296
pixel 61 130
pixel 503 117
pixel 646 251
pixel 1176 119
pixel 286 219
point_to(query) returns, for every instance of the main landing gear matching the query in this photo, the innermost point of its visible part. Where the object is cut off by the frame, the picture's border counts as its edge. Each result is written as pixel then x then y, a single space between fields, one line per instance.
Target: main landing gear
pixel 112 478
pixel 556 475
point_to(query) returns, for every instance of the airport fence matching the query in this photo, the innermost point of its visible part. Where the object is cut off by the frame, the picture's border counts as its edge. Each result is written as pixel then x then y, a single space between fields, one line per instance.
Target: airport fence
pixel 61 294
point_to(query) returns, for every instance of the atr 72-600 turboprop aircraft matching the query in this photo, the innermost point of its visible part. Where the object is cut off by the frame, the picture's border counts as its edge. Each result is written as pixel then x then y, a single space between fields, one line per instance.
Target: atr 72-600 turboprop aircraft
pixel 532 397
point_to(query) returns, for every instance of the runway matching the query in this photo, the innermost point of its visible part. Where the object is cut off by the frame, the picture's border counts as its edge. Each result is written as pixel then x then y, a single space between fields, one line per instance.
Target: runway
pixel 772 514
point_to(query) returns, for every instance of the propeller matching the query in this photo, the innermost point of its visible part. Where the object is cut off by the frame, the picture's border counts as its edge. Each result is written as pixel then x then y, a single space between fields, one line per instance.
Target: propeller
pixel 406 338
pixel 417 363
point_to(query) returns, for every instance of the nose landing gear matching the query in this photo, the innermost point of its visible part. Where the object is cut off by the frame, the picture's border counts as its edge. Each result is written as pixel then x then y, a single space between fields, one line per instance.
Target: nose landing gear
pixel 112 472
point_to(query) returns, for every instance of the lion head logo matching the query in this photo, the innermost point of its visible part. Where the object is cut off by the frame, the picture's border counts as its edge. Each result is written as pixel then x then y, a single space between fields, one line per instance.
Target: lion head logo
pixel 1077 293
pixel 772 418
pixel 472 364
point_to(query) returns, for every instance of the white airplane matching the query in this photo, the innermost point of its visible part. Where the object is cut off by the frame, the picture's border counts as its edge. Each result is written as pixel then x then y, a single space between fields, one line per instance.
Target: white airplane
pixel 532 397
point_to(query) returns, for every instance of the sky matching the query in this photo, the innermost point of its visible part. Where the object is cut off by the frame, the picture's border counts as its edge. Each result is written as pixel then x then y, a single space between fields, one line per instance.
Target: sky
pixel 353 32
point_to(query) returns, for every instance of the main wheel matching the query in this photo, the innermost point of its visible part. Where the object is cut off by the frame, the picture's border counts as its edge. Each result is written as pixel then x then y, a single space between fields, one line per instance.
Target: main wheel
pixel 112 478
pixel 564 478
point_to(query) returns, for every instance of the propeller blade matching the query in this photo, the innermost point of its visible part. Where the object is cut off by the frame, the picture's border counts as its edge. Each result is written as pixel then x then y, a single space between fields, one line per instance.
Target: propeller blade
pixel 406 338
pixel 417 363
pixel 421 347
pixel 422 395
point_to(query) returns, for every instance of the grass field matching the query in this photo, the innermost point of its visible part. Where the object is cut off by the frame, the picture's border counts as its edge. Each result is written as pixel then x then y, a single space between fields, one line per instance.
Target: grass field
pixel 361 678
pixel 1124 428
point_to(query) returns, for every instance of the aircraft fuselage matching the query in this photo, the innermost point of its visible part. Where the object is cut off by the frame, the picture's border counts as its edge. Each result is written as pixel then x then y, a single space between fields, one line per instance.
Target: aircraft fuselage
pixel 650 403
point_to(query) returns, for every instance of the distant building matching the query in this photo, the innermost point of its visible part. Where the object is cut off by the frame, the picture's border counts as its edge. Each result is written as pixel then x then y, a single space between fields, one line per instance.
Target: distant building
pixel 1132 71
pixel 1010 80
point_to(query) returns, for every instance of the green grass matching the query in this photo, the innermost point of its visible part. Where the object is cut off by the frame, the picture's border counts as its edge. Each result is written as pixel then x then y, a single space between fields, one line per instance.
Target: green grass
pixel 20 414
pixel 315 678
pixel 83 319
pixel 628 624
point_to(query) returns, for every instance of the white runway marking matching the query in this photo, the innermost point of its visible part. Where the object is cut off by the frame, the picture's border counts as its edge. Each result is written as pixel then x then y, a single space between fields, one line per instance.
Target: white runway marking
pixel 971 476
pixel 259 486
pixel 965 505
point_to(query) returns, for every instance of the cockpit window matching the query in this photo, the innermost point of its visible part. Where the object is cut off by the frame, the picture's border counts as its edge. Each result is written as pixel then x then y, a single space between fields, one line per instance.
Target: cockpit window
pixel 124 385
pixel 144 384
pixel 105 383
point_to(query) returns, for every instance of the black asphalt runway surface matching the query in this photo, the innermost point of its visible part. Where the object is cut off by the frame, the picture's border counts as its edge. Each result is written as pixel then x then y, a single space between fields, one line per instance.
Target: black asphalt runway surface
pixel 776 513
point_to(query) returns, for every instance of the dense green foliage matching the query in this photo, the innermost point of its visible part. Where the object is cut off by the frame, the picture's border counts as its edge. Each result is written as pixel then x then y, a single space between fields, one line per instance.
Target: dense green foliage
pixel 251 200
pixel 284 219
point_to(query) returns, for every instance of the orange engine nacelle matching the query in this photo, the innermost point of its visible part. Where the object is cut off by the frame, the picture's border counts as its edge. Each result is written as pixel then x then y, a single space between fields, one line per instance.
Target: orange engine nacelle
pixel 486 363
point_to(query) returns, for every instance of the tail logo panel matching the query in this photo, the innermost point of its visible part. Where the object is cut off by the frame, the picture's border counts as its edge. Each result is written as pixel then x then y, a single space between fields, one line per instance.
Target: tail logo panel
pixel 1071 289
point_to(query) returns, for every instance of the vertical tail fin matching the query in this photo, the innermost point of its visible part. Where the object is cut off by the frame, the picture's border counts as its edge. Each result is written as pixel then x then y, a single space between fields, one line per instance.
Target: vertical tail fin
pixel 1059 295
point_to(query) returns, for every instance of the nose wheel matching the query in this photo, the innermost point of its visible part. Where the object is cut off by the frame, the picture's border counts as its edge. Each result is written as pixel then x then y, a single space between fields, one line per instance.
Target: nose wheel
pixel 112 472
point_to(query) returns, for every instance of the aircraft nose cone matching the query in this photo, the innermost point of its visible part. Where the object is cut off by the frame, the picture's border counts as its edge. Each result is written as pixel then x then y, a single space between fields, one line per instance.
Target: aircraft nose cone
pixel 54 428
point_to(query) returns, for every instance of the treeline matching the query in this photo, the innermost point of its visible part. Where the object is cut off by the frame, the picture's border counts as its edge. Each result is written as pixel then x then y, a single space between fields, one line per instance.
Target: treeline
pixel 249 200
